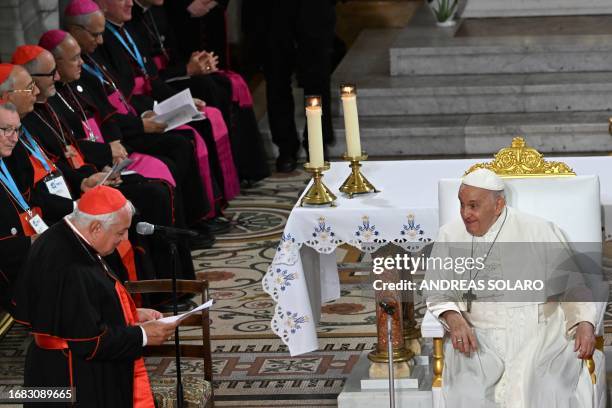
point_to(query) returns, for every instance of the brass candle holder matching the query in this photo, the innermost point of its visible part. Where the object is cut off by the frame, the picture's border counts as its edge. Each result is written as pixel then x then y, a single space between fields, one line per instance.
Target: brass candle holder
pixel 318 193
pixel 356 183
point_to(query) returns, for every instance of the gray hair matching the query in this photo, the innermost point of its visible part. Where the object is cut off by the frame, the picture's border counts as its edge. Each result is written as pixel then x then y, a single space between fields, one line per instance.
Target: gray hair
pixel 499 194
pixel 8 85
pixel 8 106
pixel 32 66
pixel 81 21
pixel 83 219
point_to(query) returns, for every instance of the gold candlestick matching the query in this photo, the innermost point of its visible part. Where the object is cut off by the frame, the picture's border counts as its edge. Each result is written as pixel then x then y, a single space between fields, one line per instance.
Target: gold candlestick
pixel 318 193
pixel 356 183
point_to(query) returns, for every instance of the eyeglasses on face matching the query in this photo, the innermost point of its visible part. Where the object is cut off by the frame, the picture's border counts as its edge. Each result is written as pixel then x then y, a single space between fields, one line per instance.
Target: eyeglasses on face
pixel 9 130
pixel 93 34
pixel 50 74
pixel 29 89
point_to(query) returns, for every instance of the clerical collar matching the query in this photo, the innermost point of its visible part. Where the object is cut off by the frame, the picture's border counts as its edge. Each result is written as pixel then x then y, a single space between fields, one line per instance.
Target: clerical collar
pixel 144 8
pixel 494 229
pixel 119 25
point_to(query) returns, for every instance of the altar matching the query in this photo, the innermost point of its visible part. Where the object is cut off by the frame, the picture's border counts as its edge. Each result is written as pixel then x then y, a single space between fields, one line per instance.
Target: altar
pixel 304 274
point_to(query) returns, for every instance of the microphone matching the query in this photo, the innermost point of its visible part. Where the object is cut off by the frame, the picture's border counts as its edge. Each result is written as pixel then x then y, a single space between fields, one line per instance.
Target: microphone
pixel 388 306
pixel 144 228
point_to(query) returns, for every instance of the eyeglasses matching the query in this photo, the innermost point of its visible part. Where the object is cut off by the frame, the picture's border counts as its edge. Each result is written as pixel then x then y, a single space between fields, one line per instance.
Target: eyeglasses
pixel 93 34
pixel 9 130
pixel 50 74
pixel 29 89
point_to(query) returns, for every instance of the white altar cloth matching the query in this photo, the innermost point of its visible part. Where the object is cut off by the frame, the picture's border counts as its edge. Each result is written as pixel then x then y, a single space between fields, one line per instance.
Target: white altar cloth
pixel 304 274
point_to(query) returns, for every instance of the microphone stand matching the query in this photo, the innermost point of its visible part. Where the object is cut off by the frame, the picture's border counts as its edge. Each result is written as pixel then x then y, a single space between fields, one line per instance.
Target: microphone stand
pixel 177 346
pixel 390 310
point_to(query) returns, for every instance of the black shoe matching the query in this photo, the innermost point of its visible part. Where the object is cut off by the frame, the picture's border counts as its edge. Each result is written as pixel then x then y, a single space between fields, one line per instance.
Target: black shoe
pixel 219 225
pixel 182 305
pixel 202 241
pixel 286 164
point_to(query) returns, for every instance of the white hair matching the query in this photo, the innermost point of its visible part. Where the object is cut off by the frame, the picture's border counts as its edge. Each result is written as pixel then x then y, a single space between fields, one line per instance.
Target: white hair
pixel 8 106
pixel 83 219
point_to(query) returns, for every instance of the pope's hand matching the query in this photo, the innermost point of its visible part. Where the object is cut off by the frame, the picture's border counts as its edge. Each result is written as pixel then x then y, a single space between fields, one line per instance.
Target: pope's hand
pixel 585 340
pixel 158 332
pixel 144 315
pixel 461 333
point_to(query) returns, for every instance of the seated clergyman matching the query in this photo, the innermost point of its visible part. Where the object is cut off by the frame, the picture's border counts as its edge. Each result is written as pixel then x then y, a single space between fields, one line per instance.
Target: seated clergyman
pixel 502 353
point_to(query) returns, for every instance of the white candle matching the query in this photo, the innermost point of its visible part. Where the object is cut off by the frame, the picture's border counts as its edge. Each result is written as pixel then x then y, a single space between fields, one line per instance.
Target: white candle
pixel 315 131
pixel 351 120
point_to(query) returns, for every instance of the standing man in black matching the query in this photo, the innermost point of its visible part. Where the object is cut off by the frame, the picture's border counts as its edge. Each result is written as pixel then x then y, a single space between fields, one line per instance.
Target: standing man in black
pixel 300 39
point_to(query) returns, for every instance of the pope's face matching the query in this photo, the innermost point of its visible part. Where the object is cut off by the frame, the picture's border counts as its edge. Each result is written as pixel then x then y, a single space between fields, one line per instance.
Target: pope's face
pixel 106 240
pixel 480 208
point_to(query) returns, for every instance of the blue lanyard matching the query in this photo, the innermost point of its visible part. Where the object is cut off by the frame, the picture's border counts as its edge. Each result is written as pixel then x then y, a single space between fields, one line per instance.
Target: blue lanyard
pixel 9 183
pixel 95 71
pixel 33 147
pixel 133 50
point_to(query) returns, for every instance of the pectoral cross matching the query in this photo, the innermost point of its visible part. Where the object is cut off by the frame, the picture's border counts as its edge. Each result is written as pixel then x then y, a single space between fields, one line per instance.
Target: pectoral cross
pixel 469 297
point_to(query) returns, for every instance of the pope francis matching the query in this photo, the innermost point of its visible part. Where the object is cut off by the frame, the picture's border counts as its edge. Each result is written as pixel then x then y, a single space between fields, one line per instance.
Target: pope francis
pixel 508 354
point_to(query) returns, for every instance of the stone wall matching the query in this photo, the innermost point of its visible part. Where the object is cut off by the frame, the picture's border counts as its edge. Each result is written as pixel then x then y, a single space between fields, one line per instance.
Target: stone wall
pixel 517 8
pixel 23 22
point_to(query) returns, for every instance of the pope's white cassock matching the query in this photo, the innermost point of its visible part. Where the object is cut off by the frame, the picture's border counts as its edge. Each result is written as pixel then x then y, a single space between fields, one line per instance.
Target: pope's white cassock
pixel 525 356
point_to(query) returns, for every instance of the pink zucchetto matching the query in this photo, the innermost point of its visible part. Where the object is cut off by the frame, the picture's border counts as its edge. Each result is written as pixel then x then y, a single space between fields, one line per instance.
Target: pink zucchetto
pixel 52 39
pixel 80 7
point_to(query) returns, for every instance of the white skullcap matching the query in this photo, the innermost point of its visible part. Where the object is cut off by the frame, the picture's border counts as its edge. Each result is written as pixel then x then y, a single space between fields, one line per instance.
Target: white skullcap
pixel 484 178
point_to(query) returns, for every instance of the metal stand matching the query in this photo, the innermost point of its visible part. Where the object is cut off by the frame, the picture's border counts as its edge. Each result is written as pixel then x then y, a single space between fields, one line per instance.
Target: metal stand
pixel 390 310
pixel 177 346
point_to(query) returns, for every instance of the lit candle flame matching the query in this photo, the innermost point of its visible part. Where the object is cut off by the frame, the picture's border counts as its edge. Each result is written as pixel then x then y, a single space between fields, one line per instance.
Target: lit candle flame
pixel 313 101
pixel 348 90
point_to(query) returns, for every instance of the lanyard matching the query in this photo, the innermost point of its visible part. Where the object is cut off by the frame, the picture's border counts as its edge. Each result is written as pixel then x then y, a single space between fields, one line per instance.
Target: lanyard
pixel 95 71
pixel 33 147
pixel 7 181
pixel 58 135
pixel 104 77
pixel 133 50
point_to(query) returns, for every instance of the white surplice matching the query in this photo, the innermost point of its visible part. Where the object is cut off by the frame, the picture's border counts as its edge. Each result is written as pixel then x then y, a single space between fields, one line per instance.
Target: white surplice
pixel 525 356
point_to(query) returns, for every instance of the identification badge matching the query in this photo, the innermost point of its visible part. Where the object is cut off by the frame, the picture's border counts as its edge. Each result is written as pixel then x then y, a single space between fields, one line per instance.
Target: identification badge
pixel 57 186
pixel 37 224
pixel 24 217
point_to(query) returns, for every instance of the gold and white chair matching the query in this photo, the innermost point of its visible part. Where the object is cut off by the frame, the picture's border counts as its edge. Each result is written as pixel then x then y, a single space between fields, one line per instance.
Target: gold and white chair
pixel 551 191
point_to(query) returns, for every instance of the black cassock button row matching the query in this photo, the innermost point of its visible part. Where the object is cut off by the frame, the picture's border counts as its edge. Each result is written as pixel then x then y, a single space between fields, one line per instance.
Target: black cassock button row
pixel 20 395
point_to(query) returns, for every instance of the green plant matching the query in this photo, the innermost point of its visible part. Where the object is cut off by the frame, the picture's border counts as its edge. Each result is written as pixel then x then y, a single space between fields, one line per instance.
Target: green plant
pixel 445 8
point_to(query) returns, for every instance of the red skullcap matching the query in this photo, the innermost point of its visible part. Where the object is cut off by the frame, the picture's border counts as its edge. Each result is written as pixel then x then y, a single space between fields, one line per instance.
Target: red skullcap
pixel 101 200
pixel 80 7
pixel 5 71
pixel 26 53
pixel 52 39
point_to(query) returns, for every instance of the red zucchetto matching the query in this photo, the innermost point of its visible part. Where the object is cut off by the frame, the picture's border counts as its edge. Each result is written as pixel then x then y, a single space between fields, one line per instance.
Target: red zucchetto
pixel 52 39
pixel 101 200
pixel 5 71
pixel 80 7
pixel 25 54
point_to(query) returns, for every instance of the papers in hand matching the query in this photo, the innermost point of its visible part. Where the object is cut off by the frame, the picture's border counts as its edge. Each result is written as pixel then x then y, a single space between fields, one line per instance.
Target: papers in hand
pixel 172 319
pixel 177 110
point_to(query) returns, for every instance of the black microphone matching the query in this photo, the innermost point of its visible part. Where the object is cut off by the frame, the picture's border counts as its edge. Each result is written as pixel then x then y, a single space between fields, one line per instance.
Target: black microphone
pixel 389 308
pixel 144 228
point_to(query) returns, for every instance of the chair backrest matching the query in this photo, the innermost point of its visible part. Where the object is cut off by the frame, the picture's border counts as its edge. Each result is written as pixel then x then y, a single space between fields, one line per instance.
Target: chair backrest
pixel 570 202
pixel 187 350
pixel 573 203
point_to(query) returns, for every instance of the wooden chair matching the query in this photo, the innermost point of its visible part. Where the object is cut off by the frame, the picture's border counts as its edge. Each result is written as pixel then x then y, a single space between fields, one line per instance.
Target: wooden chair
pixel 198 392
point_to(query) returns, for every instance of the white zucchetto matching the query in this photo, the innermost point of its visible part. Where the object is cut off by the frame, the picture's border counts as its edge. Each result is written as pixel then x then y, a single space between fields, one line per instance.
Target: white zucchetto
pixel 484 178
